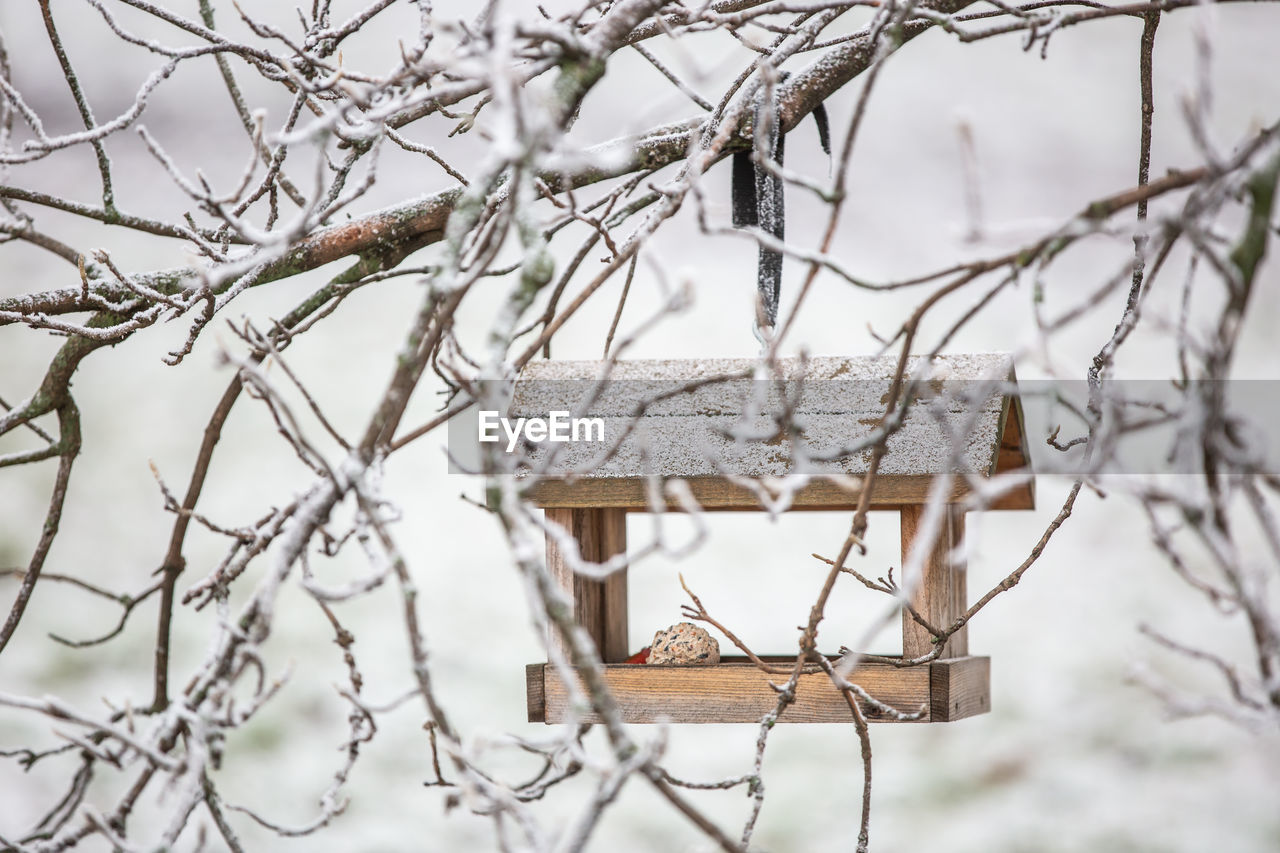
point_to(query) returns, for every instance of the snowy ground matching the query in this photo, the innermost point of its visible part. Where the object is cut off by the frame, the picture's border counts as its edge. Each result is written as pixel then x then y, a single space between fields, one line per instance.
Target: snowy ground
pixel 1074 755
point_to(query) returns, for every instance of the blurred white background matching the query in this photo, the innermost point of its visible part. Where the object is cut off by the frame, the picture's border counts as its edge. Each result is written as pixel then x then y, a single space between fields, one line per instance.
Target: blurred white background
pixel 1073 757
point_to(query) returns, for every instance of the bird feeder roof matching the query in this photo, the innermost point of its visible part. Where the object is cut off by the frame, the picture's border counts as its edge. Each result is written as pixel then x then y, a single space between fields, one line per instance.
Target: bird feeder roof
pixel 712 424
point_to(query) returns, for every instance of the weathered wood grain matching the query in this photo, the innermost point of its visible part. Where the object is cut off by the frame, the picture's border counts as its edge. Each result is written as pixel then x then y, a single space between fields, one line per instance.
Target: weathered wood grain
pixel 959 688
pixel 940 595
pixel 535 697
pixel 1011 455
pixel 715 493
pixel 736 691
pixel 598 606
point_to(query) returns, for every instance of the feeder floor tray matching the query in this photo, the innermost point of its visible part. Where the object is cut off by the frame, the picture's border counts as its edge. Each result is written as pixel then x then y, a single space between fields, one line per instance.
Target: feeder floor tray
pixel 736 691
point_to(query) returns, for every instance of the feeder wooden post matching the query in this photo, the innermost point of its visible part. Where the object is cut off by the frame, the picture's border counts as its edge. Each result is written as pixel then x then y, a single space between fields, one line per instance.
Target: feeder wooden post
pixel 940 594
pixel 598 606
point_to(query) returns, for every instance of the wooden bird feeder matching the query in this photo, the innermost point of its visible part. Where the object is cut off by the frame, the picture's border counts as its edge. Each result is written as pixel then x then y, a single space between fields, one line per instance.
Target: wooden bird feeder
pixel 685 436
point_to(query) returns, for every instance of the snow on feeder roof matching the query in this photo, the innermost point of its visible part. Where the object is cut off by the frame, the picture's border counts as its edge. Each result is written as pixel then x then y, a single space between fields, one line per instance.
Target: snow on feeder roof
pixel 707 420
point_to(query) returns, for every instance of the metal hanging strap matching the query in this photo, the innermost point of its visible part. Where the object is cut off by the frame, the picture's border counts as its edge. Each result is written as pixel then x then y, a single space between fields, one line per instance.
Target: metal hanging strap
pixel 758 199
